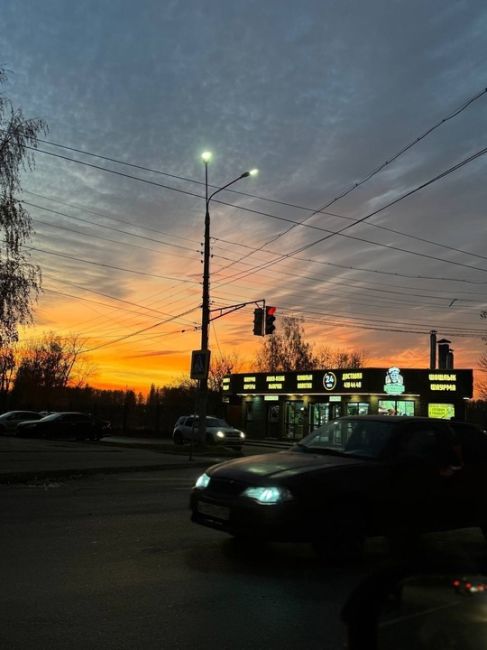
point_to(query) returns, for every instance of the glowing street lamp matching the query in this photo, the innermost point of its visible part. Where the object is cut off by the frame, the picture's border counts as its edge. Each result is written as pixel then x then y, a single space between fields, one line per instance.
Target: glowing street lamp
pixel 205 307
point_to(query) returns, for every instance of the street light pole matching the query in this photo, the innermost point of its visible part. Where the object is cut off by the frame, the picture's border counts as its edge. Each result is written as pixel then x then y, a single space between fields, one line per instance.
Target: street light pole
pixel 205 307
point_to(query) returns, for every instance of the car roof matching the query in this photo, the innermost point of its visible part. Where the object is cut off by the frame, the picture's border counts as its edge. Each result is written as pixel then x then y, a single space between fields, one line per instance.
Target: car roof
pixel 67 413
pixel 20 411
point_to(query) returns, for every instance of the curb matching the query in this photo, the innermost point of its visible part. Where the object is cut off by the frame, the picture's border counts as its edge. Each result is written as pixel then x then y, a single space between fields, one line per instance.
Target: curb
pixel 42 475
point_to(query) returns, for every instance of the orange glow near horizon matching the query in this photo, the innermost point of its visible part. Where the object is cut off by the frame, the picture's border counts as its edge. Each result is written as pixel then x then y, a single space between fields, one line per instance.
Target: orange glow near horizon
pixel 162 357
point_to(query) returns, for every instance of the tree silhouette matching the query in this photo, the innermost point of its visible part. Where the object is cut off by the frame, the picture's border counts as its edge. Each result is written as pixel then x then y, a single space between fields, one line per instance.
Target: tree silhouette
pixel 19 279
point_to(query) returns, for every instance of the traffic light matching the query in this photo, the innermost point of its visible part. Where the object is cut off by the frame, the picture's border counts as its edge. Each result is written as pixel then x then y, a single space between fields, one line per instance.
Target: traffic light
pixel 269 320
pixel 258 321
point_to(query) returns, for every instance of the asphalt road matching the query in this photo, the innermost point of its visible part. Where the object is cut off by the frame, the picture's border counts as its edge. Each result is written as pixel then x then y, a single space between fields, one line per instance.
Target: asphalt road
pixel 113 562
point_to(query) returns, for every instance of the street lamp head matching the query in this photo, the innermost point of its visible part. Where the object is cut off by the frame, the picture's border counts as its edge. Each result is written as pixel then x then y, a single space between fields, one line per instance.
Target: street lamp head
pixel 206 156
pixel 252 172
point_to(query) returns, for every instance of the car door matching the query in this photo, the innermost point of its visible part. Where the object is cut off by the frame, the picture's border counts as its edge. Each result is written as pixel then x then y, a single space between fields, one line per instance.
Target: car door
pixel 427 495
pixel 473 444
pixel 80 425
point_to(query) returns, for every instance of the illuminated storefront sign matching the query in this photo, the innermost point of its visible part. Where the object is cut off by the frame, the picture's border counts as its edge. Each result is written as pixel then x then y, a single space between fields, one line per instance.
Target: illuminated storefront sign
pixel 249 382
pixel 271 398
pixel 443 381
pixel 391 382
pixel 352 379
pixel 275 382
pixel 329 380
pixel 447 387
pixel 444 411
pixel 394 382
pixel 304 382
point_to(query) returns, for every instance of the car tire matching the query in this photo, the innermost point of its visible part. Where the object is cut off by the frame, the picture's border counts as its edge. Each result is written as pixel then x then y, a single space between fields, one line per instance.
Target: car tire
pixel 178 438
pixel 210 440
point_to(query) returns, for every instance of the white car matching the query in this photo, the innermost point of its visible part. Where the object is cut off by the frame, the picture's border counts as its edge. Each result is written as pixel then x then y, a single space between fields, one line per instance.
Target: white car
pixel 217 431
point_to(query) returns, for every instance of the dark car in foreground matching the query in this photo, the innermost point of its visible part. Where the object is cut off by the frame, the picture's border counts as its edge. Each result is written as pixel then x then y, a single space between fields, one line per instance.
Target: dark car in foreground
pixel 351 478
pixel 11 419
pixel 66 424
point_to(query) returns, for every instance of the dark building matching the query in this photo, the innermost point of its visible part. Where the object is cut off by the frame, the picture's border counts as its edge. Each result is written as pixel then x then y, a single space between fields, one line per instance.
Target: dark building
pixel 289 405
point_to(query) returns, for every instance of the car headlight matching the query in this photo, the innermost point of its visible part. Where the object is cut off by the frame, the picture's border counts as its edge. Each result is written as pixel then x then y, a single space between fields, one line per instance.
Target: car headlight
pixel 220 434
pixel 268 495
pixel 202 481
pixel 242 434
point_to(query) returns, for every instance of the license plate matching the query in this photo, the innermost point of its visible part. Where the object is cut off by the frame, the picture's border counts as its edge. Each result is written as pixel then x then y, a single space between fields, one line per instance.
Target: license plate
pixel 211 510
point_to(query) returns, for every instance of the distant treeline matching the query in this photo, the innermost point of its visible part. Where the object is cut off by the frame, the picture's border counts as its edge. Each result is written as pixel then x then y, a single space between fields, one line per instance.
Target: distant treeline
pixel 128 412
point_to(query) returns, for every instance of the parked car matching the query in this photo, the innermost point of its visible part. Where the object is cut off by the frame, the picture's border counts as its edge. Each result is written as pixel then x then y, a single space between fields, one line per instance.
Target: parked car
pixel 10 420
pixel 217 431
pixel 66 424
pixel 351 478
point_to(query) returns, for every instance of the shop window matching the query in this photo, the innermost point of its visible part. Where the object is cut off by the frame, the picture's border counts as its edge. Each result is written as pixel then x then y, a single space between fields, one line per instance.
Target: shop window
pixel 294 420
pixel 248 411
pixel 357 408
pixel 319 414
pixel 396 407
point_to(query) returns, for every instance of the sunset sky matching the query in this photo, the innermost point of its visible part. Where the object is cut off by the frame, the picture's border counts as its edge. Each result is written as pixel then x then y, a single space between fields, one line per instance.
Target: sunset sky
pixel 318 95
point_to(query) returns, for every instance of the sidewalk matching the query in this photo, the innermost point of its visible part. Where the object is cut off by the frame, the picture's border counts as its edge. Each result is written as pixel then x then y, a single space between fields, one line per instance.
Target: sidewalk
pixel 26 459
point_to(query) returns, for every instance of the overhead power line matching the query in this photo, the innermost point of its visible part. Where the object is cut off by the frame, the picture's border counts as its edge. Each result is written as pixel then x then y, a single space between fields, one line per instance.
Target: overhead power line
pixel 144 329
pixel 436 178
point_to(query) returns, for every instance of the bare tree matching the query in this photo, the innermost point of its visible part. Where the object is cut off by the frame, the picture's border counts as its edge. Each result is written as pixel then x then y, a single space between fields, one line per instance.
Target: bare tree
pixel 327 358
pixel 7 369
pixel 286 349
pixel 225 365
pixel 482 383
pixel 19 279
pixel 50 362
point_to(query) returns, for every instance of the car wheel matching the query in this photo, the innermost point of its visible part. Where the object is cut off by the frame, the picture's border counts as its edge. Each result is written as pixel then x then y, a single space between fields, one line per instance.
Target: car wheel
pixel 178 438
pixel 210 440
pixel 343 539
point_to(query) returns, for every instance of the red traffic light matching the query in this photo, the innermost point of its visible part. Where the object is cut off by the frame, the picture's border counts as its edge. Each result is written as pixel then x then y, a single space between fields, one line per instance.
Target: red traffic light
pixel 269 319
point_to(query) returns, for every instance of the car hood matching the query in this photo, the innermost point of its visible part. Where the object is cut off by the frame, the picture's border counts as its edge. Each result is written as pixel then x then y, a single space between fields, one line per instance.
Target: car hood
pixel 282 464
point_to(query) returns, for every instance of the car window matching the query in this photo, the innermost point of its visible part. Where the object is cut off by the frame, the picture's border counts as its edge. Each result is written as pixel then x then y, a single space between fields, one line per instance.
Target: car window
pixel 189 422
pixel 421 443
pixel 432 445
pixel 473 441
pixel 358 437
pixel 52 417
pixel 216 422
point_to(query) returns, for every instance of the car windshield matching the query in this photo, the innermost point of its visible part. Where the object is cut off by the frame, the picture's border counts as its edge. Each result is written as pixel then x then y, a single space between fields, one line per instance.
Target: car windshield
pixel 216 422
pixel 351 437
pixel 51 416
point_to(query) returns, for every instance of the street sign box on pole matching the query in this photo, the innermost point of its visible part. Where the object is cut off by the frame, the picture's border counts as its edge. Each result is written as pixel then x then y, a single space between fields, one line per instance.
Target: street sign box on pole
pixel 200 363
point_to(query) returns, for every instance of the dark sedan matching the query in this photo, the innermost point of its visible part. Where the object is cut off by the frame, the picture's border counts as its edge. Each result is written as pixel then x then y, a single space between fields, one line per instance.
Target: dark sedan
pixel 66 424
pixel 353 477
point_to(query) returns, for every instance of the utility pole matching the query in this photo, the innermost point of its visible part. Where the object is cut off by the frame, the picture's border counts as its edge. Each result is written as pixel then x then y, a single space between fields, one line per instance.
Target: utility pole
pixel 205 307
